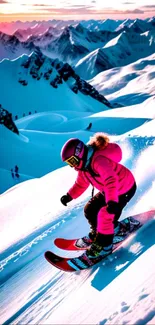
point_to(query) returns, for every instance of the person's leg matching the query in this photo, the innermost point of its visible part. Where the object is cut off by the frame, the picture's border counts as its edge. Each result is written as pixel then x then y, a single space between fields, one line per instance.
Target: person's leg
pixel 91 210
pixel 103 242
pixel 123 201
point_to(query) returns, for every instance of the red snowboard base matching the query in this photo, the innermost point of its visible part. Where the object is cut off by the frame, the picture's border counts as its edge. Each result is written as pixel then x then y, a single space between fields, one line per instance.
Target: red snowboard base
pixel 69 244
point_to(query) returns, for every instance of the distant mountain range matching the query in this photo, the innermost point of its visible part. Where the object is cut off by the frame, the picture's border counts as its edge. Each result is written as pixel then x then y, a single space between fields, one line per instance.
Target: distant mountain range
pixel 114 42
pixel 104 24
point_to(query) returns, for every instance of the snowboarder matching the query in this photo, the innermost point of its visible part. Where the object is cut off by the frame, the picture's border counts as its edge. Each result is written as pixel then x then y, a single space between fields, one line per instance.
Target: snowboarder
pixel 16 171
pixel 12 173
pixel 97 163
pixel 89 126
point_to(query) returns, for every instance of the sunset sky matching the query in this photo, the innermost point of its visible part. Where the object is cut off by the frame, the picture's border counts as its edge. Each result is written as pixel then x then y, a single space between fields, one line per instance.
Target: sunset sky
pixel 11 10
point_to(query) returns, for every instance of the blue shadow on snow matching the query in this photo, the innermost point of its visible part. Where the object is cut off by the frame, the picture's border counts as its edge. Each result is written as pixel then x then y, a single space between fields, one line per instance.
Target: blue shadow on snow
pixel 124 257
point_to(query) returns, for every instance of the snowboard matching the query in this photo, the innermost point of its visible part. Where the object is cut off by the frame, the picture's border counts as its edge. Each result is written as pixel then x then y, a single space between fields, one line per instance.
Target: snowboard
pixel 82 262
pixel 78 244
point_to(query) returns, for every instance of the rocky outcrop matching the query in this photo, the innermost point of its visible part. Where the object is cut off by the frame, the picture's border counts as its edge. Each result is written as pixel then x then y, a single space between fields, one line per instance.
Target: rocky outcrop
pixel 40 66
pixel 6 120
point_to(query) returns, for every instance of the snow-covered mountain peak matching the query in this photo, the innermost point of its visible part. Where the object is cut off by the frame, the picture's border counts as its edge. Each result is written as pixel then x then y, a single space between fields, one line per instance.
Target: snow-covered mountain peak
pixel 11 47
pixel 76 42
pixel 53 78
pixel 121 38
pixel 36 30
pixel 138 26
pixel 125 48
pixel 80 28
pixel 9 39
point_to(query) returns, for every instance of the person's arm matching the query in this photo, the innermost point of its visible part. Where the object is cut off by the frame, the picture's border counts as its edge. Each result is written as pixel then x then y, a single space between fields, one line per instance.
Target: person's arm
pixel 109 178
pixel 80 186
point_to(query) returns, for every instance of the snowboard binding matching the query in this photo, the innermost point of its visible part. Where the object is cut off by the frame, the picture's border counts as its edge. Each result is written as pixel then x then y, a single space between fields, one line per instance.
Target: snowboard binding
pixel 126 226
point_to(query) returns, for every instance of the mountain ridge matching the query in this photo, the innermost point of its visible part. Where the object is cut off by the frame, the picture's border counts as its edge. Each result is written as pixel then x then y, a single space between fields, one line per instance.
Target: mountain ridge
pixel 126 48
pixel 53 77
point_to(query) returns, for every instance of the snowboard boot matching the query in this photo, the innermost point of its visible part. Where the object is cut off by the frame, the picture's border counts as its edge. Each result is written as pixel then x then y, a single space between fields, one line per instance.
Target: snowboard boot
pixel 101 246
pixel 117 228
pixel 92 234
pixel 86 241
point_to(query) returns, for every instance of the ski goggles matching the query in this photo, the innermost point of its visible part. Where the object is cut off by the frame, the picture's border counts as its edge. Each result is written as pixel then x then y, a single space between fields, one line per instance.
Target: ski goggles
pixel 73 161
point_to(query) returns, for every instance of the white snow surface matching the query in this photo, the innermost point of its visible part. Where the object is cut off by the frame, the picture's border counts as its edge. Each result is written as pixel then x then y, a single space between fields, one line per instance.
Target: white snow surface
pixel 118 291
pixel 125 84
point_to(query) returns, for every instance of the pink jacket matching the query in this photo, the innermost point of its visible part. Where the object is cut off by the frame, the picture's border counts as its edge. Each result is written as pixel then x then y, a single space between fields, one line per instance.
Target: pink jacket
pixel 113 179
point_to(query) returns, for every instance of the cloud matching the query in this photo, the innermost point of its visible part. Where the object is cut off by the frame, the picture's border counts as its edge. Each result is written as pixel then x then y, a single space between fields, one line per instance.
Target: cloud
pixel 53 8
pixel 40 5
pixel 70 10
pixel 78 6
pixel 77 11
pixel 69 6
pixel 135 11
pixel 149 7
pixel 127 3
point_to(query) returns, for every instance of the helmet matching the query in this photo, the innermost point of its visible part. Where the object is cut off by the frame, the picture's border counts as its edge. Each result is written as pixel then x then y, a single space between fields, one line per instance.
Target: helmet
pixel 73 152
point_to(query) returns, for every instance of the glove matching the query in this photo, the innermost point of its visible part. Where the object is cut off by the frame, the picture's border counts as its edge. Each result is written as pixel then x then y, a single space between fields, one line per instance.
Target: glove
pixel 65 199
pixel 112 207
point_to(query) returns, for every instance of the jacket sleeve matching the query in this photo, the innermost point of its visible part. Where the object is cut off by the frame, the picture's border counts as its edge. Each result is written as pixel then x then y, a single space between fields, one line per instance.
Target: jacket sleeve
pixel 109 178
pixel 79 187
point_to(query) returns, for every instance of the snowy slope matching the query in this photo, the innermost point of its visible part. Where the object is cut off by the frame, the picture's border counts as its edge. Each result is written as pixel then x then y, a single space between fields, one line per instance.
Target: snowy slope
pixel 41 148
pixel 37 79
pixel 31 216
pixel 40 133
pixel 129 84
